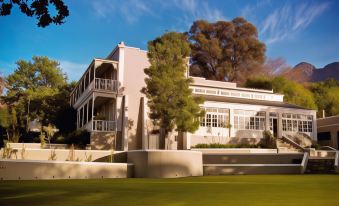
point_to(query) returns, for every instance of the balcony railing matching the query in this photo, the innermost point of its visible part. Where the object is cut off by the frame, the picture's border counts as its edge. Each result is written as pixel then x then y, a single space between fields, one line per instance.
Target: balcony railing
pixel 106 84
pixel 104 126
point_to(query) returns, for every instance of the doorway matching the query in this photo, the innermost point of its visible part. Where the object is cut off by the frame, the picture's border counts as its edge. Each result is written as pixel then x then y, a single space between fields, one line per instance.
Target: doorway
pixel 275 127
pixel 273 123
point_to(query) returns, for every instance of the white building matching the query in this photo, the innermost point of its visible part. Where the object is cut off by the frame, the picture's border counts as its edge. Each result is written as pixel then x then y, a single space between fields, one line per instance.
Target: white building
pixel 111 106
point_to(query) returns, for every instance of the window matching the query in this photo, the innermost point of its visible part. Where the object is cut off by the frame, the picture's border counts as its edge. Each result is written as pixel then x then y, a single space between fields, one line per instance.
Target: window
pixel 202 121
pixel 208 120
pixel 324 136
pixel 297 122
pixel 249 120
pixel 214 120
pixel 215 117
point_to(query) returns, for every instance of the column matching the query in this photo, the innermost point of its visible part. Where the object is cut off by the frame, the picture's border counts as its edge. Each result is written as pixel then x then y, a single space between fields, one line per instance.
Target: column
pixel 232 130
pixel 279 132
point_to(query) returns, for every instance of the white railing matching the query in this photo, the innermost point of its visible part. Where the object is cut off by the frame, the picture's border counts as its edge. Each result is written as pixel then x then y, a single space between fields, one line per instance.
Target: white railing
pixel 106 84
pixel 237 93
pixel 104 126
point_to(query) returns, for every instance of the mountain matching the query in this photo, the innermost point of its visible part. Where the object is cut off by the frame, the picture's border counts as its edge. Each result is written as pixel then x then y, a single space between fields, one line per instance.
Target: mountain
pixel 306 72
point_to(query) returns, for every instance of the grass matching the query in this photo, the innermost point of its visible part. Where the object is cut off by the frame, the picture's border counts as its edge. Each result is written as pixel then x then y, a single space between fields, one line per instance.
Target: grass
pixel 222 190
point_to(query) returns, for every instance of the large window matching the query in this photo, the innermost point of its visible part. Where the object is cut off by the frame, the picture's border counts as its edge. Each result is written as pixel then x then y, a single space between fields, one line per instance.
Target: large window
pixel 297 122
pixel 249 120
pixel 215 117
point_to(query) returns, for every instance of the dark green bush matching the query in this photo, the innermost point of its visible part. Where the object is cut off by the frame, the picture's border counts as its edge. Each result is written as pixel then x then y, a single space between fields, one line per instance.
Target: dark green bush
pixel 78 138
pixel 218 145
pixel 268 140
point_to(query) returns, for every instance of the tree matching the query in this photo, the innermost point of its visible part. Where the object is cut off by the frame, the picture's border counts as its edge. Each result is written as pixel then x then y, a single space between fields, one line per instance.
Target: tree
pixel 4 121
pixel 294 92
pixel 225 50
pixel 326 95
pixel 2 84
pixel 40 9
pixel 170 99
pixel 37 90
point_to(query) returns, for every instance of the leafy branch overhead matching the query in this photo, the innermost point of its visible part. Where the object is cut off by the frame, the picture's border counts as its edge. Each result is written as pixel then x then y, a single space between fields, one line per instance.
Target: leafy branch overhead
pixel 40 9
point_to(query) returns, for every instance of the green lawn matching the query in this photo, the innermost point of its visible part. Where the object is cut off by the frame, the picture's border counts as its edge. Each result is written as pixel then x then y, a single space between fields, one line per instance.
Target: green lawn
pixel 222 190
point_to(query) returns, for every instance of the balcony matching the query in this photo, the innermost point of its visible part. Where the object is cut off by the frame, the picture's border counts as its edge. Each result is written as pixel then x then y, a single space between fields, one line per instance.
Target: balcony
pixel 101 76
pixel 106 84
pixel 101 126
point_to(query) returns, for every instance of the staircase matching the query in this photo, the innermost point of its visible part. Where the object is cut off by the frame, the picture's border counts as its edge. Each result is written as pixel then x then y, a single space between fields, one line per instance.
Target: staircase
pixel 320 166
pixel 285 147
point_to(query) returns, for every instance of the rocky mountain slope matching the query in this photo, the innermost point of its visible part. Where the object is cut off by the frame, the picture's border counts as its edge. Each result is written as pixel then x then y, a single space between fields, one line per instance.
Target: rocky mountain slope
pixel 306 72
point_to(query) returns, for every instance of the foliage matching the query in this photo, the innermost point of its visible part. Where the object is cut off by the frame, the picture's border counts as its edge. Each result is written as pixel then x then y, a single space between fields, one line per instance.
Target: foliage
pixel 71 154
pixel 23 152
pixel 40 9
pixel 326 95
pixel 6 151
pixel 88 158
pixel 219 145
pixel 53 155
pixel 80 138
pixel 49 130
pixel 268 140
pixel 42 138
pixel 259 82
pixel 38 90
pixel 4 117
pixel 3 83
pixel 167 89
pixel 225 50
pixel 293 92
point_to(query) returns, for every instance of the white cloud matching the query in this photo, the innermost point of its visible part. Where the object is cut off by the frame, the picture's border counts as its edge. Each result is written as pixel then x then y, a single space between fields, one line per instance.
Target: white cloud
pixel 133 10
pixel 72 69
pixel 290 19
pixel 250 10
pixel 199 10
pixel 130 10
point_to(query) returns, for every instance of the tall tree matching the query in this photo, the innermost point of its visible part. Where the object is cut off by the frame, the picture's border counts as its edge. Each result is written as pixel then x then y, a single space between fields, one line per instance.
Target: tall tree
pixel 36 90
pixel 40 9
pixel 170 99
pixel 225 50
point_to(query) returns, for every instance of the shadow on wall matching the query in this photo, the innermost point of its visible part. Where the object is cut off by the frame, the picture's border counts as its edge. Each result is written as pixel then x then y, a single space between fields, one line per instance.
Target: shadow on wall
pixel 139 129
pixel 116 157
pixel 103 140
pixel 25 170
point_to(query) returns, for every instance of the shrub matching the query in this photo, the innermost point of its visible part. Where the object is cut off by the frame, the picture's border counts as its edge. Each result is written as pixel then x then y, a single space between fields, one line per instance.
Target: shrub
pixel 53 155
pixel 268 140
pixel 218 145
pixel 78 138
pixel 42 140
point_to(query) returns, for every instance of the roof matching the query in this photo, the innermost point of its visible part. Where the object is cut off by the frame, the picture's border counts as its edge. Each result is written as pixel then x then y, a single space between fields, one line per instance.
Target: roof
pixel 253 102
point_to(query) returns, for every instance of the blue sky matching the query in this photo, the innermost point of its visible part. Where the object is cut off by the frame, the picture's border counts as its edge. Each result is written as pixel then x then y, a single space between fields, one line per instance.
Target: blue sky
pixel 294 30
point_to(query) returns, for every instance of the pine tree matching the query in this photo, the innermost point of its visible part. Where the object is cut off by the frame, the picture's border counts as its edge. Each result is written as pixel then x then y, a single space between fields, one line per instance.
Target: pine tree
pixel 172 106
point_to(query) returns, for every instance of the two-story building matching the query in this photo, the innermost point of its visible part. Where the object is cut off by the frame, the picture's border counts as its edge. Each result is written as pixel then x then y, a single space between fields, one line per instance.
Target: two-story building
pixel 110 105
